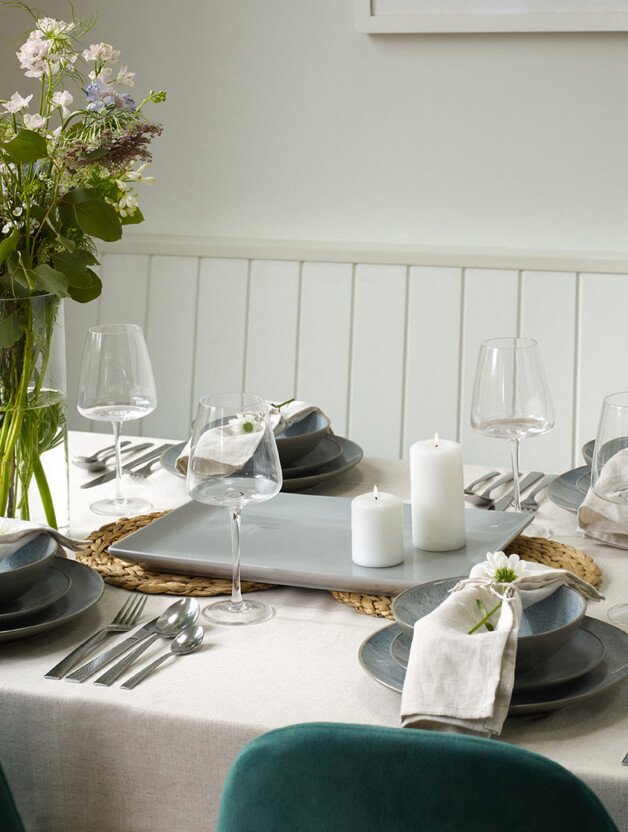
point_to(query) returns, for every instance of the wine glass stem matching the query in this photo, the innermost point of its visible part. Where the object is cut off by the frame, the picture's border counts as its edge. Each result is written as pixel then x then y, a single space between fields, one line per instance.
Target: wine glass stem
pixel 236 594
pixel 119 498
pixel 514 455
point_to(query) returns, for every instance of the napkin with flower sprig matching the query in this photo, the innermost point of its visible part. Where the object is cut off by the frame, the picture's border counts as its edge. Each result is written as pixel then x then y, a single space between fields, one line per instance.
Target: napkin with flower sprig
pixel 460 674
pixel 603 519
pixel 215 444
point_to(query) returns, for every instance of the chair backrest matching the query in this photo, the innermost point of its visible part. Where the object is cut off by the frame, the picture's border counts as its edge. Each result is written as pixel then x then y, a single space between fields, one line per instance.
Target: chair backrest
pixel 10 820
pixel 329 776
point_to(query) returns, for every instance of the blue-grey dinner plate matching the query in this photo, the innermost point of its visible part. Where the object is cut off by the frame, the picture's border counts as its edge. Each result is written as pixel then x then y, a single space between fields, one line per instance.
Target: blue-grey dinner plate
pixel 569 489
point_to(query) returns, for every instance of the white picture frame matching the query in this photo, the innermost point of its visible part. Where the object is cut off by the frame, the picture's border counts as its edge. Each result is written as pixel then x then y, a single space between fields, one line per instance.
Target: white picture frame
pixel 420 16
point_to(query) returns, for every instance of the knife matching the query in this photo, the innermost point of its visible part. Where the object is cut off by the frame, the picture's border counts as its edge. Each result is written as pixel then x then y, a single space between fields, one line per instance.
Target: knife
pixel 111 475
pixel 86 670
pixel 503 502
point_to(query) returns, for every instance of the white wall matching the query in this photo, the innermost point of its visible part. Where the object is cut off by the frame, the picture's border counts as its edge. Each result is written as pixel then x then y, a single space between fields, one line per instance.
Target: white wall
pixel 283 122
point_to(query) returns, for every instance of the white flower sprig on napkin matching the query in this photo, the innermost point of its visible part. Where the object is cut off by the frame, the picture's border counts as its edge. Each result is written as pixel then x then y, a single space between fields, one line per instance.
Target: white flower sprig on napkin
pixel 503 569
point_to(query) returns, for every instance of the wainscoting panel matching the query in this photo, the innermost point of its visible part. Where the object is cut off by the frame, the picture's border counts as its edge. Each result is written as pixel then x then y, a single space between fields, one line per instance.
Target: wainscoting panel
pixel 388 350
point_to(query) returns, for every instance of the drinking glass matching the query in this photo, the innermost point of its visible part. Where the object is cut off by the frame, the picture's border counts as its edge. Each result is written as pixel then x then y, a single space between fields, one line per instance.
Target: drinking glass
pixel 233 462
pixel 609 466
pixel 511 400
pixel 116 386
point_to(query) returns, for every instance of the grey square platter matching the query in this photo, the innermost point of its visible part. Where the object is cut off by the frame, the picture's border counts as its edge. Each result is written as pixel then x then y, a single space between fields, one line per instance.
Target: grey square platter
pixel 304 540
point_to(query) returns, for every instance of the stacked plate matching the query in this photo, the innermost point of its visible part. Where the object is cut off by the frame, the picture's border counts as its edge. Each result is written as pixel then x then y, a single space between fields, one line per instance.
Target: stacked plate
pixel 310 454
pixel 569 489
pixel 592 657
pixel 39 591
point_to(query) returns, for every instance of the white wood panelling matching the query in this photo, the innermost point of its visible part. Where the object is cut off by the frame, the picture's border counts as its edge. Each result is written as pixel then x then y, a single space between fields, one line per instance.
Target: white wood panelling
pixel 377 365
pixel 271 337
pixel 548 314
pixel 490 311
pixel 388 351
pixel 325 339
pixel 170 335
pixel 433 354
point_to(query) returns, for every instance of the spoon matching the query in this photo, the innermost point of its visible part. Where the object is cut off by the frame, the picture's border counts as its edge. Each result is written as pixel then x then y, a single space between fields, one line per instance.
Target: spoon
pixel 101 463
pixel 184 643
pixel 173 620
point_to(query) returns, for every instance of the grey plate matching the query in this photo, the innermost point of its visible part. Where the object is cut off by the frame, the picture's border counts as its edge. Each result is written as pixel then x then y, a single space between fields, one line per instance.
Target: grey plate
pixel 53 586
pixel 326 452
pixel 611 447
pixel 376 659
pixel 581 654
pixel 304 540
pixel 569 489
pixel 350 456
pixel 87 587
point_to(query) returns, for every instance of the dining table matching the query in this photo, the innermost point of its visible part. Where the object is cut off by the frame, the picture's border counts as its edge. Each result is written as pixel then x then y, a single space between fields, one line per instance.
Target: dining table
pixel 84 757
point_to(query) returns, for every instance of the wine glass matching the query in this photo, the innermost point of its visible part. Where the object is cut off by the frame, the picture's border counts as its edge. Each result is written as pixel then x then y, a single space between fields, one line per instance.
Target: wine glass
pixel 234 461
pixel 116 386
pixel 511 400
pixel 609 466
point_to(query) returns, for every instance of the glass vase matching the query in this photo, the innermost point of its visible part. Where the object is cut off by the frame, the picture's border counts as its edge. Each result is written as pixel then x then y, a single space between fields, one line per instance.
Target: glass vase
pixel 34 476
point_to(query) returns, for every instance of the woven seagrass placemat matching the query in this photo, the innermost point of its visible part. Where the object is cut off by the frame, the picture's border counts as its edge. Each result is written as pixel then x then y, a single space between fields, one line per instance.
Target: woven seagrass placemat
pixel 135 576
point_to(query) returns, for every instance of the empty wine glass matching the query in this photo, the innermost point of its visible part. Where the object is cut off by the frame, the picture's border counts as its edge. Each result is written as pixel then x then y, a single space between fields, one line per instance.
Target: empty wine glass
pixel 234 461
pixel 116 386
pixel 511 400
pixel 609 467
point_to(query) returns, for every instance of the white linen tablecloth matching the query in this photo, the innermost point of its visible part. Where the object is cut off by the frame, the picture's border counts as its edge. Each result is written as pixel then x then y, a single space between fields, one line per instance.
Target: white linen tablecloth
pixel 83 757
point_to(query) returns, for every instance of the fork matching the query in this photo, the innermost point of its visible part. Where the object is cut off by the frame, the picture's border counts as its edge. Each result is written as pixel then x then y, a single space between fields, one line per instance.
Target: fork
pixel 484 498
pixel 530 503
pixel 125 620
pixel 470 489
pixel 144 471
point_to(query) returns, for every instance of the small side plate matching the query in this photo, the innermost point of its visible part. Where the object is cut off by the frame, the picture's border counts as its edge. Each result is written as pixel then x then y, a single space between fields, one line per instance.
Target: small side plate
pixel 46 591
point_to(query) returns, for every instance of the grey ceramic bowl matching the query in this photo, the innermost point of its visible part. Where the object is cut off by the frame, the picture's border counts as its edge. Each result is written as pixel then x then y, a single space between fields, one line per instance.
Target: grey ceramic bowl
pixel 544 628
pixel 21 570
pixel 301 438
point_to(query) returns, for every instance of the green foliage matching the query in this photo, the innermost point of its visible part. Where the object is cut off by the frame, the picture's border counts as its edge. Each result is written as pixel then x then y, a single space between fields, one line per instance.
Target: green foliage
pixel 27 146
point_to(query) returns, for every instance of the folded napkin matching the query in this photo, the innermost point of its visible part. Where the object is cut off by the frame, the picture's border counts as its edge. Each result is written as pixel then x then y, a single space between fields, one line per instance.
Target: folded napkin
pixel 224 456
pixel 603 519
pixel 461 682
pixel 15 533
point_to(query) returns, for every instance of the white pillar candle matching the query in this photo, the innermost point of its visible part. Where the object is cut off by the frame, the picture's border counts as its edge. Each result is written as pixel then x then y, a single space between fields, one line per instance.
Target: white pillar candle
pixel 437 495
pixel 377 529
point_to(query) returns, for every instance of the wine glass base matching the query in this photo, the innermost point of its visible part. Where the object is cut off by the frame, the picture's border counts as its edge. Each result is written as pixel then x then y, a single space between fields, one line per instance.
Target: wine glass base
pixel 247 612
pixel 126 508
pixel 618 614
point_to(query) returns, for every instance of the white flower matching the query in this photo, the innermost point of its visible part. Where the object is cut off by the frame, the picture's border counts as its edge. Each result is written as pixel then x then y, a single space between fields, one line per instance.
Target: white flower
pixel 245 423
pixel 503 568
pixel 104 53
pixel 17 103
pixel 125 77
pixel 138 176
pixel 33 55
pixel 17 212
pixel 34 122
pixel 7 228
pixel 50 26
pixel 63 99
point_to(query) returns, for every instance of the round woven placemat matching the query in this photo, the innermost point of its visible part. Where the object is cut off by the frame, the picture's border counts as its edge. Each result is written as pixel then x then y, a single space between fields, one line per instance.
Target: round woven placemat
pixel 538 549
pixel 135 576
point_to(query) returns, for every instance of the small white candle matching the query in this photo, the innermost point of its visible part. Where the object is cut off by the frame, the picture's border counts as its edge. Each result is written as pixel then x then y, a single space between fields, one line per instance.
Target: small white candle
pixel 437 495
pixel 377 529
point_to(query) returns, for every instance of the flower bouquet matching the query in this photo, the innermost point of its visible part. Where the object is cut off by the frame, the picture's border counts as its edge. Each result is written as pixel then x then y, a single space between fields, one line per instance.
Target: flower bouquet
pixel 72 154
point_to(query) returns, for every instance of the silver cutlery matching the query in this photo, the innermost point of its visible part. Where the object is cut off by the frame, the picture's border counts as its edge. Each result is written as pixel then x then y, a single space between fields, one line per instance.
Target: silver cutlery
pixel 470 489
pixel 504 502
pixel 145 470
pixel 128 467
pixel 101 464
pixel 184 643
pixel 149 629
pixel 530 503
pixel 95 457
pixel 178 617
pixel 125 619
pixel 484 499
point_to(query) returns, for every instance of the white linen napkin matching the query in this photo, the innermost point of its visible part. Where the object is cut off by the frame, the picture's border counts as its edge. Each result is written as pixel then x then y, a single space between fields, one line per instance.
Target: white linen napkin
pixel 601 519
pixel 232 456
pixel 461 682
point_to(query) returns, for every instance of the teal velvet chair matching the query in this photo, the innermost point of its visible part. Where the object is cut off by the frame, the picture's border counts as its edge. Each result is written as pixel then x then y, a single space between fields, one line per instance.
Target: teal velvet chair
pixel 328 776
pixel 9 818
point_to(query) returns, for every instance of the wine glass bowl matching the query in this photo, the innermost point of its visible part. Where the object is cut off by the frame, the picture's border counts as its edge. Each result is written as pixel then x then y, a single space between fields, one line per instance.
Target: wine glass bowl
pixel 233 462
pixel 511 399
pixel 116 385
